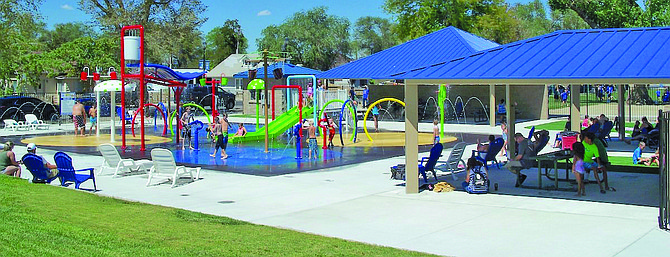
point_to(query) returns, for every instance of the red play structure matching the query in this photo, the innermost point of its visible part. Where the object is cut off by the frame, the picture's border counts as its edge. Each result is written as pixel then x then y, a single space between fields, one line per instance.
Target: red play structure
pixel 143 79
pixel 299 101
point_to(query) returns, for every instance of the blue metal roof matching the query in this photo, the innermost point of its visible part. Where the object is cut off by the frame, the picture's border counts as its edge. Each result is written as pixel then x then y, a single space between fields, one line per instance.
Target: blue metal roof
pixel 439 46
pixel 575 55
pixel 164 72
pixel 287 68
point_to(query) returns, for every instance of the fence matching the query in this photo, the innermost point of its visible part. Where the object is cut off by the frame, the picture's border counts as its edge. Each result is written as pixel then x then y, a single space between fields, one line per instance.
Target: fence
pixel 664 177
pixel 640 101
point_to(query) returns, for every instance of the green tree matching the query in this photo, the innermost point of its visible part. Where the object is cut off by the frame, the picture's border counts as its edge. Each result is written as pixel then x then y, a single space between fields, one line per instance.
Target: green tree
pixel 499 25
pixel 20 26
pixel 66 32
pixel 603 13
pixel 419 17
pixel 373 34
pixel 567 20
pixel 533 19
pixel 226 40
pixel 313 38
pixel 168 24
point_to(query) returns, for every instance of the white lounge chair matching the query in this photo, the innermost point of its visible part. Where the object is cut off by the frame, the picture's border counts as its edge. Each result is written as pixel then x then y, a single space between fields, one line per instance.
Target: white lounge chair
pixel 14 125
pixel 455 158
pixel 112 160
pixel 34 123
pixel 165 167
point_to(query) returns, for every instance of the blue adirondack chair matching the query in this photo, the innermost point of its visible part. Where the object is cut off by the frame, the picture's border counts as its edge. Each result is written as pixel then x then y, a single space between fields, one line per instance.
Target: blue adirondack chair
pixel 490 155
pixel 430 161
pixel 68 173
pixel 543 142
pixel 35 165
pixel 129 118
pixel 605 133
pixel 532 130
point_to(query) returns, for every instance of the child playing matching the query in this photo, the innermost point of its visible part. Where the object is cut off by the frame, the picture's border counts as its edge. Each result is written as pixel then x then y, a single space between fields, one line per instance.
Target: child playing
pixel 637 154
pixel 312 141
pixel 578 167
pixel 436 133
pixel 331 132
pixel 652 160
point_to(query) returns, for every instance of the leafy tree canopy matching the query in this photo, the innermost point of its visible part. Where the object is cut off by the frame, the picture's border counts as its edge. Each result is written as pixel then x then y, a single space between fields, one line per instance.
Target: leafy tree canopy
pixel 313 38
pixel 226 40
pixel 374 34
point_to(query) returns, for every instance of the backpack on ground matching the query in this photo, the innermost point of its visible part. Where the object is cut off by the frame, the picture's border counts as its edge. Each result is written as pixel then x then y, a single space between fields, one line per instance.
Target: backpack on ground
pixel 479 182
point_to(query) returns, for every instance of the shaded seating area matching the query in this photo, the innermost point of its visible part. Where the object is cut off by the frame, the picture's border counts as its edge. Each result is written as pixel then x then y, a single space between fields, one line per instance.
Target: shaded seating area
pixel 454 163
pixel 489 156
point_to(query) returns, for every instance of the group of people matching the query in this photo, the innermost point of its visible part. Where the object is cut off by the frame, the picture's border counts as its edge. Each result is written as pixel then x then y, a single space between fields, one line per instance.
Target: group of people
pixel 327 124
pixel 10 165
pixel 79 116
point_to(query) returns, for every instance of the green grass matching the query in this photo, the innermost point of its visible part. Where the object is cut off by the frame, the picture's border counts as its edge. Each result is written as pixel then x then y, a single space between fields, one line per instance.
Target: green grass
pixel 42 220
pixel 560 125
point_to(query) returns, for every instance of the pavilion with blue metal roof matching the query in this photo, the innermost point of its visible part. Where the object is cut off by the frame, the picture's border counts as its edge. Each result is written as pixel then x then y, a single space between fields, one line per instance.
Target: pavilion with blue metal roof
pixel 288 69
pixel 598 56
pixel 439 46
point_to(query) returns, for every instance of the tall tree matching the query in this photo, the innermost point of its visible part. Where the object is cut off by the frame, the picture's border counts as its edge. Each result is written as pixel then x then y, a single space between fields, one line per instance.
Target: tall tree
pixel 603 13
pixel 499 25
pixel 374 34
pixel 533 19
pixel 420 17
pixel 313 38
pixel 66 32
pixel 226 40
pixel 20 26
pixel 167 23
pixel 567 20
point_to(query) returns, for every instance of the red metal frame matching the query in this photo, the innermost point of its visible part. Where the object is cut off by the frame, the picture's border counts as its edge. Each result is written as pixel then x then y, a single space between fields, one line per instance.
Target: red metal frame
pixel 155 106
pixel 299 101
pixel 143 79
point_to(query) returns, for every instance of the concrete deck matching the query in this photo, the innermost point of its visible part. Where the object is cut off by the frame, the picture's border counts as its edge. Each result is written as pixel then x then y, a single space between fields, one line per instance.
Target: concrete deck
pixel 359 202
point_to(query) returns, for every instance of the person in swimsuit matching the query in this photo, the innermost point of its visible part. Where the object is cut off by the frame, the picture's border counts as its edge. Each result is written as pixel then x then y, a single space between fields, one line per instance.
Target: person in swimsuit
pixel 79 119
pixel 186 128
pixel 331 132
pixel 94 119
pixel 224 135
pixel 312 140
pixel 375 117
pixel 241 130
pixel 436 133
pixel 216 130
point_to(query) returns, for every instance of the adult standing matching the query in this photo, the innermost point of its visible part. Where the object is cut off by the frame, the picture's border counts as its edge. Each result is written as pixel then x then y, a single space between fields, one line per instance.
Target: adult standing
pixel 224 134
pixel 366 95
pixel 501 110
pixel 79 118
pixel 215 127
pixel 8 163
pixel 352 94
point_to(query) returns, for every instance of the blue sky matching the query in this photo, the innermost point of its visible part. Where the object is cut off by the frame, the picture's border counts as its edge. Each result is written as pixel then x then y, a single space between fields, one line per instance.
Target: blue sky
pixel 253 16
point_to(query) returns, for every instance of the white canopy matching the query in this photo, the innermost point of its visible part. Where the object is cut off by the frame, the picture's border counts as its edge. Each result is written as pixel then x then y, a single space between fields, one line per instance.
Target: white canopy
pixel 111 86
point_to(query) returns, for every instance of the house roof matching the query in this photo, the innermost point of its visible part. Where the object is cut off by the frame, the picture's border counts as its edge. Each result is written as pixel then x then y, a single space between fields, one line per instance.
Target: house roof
pixel 287 69
pixel 629 55
pixel 235 63
pixel 439 46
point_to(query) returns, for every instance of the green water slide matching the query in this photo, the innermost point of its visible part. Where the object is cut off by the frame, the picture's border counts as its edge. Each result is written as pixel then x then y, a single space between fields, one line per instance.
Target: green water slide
pixel 275 127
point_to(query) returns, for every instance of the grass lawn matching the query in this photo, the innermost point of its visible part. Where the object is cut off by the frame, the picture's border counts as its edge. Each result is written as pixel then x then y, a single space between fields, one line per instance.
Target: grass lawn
pixel 42 220
pixel 559 125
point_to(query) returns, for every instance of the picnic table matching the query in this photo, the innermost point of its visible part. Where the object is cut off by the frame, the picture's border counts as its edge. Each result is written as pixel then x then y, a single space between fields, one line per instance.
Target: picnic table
pixel 553 157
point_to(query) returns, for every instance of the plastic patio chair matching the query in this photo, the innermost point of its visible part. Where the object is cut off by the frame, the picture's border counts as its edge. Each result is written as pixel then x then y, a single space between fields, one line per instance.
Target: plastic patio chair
pixel 455 158
pixel 34 123
pixel 430 161
pixel 112 160
pixel 35 164
pixel 165 167
pixel 66 171
pixel 490 155
pixel 14 125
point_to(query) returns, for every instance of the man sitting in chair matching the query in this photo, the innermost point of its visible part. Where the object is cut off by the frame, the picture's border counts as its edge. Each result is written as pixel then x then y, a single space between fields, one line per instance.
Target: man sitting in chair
pixel 524 159
pixel 32 148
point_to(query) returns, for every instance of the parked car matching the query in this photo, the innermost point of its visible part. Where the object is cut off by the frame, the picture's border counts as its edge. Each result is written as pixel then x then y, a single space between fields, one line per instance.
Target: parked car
pixel 16 107
pixel 202 96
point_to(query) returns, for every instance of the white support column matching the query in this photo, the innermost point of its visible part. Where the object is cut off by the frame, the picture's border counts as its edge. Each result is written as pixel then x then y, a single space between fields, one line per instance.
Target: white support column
pixel 545 104
pixel 112 114
pixel 97 113
pixel 621 103
pixel 511 122
pixel 575 116
pixel 492 105
pixel 411 137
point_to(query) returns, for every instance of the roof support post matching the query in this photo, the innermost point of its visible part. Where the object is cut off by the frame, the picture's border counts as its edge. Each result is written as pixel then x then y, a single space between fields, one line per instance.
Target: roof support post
pixel 621 104
pixel 575 116
pixel 411 137
pixel 544 115
pixel 492 105
pixel 510 121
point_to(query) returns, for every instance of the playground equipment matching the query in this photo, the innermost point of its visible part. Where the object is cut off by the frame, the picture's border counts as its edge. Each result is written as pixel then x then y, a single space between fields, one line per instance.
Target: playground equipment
pixel 164 111
pixel 299 100
pixel 297 132
pixel 353 114
pixel 441 96
pixel 141 109
pixel 289 103
pixel 323 123
pixel 132 51
pixel 196 126
pixel 257 85
pixel 213 82
pixel 365 118
pixel 209 118
pixel 111 86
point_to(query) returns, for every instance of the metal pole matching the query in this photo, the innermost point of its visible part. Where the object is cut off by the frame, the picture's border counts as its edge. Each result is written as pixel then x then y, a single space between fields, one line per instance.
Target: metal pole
pixel 142 85
pixel 265 89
